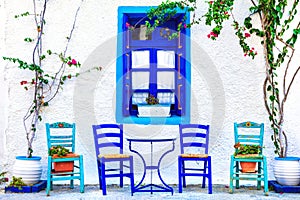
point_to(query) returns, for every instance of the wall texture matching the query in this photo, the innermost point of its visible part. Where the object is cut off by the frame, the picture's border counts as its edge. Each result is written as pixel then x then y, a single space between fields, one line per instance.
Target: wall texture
pixel 226 86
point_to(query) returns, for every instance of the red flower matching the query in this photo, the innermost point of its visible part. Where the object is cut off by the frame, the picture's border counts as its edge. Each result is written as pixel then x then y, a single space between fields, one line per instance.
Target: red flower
pixel 208 35
pixel 69 76
pixel 247 35
pixel 23 82
pixel 211 2
pixel 184 26
pixel 127 24
pixel 226 13
pixel 60 125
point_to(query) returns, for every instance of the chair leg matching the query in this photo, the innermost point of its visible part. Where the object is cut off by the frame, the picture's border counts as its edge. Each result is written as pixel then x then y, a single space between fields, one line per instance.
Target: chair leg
pixel 237 180
pixel 183 172
pixel 259 176
pixel 81 174
pixel 231 176
pixel 103 181
pixel 204 172
pixel 131 176
pixel 180 175
pixel 209 176
pixel 121 174
pixel 49 182
pixel 99 174
pixel 266 186
pixel 72 183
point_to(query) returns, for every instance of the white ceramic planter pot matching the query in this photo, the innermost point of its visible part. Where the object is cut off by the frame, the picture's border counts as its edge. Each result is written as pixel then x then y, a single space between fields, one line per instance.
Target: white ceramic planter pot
pixel 287 171
pixel 159 110
pixel 30 169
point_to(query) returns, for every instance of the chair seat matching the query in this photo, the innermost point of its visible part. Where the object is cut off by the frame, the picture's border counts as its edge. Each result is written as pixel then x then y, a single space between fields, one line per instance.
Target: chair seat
pixel 191 155
pixel 108 156
pixel 250 156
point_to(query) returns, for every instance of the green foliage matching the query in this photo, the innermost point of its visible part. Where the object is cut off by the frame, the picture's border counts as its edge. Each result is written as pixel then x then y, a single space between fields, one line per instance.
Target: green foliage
pixel 278 33
pixel 59 150
pixel 244 149
pixel 3 179
pixel 17 182
pixel 152 100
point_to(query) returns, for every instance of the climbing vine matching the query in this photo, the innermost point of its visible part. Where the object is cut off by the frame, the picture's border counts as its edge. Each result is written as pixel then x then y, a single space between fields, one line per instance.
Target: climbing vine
pixel 278 32
pixel 44 85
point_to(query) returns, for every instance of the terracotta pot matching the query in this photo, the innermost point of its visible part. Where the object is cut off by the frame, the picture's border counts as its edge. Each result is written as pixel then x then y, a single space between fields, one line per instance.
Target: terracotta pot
pixel 248 166
pixel 67 166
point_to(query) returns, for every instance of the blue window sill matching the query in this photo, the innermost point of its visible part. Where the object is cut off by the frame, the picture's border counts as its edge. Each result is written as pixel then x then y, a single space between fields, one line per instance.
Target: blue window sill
pixel 172 120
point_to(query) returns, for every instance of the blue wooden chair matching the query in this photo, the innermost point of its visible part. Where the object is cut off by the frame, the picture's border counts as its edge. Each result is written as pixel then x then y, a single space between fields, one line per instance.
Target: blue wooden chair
pixel 194 159
pixel 250 133
pixel 63 134
pixel 108 140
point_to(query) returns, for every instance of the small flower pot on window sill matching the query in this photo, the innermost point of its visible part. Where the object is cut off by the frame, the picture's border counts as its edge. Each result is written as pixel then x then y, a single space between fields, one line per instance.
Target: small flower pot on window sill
pixel 158 110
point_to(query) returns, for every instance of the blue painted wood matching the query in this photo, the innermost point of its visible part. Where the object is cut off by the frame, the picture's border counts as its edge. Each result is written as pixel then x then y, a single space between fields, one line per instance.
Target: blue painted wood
pixel 190 144
pixel 125 110
pixel 65 136
pixel 244 137
pixel 27 189
pixel 111 135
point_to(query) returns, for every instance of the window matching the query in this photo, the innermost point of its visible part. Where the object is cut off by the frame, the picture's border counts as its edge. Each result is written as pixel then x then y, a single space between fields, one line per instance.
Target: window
pixel 151 63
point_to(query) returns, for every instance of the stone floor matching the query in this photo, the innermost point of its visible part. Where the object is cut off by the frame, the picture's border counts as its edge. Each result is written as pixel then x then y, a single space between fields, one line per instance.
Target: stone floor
pixel 114 192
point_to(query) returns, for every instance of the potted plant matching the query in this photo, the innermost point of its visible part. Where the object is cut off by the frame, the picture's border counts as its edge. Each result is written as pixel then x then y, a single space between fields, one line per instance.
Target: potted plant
pixel 247 151
pixel 278 34
pixel 153 108
pixel 62 152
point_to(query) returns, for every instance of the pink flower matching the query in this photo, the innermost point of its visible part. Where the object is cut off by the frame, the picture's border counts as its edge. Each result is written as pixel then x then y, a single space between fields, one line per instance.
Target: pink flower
pixel 127 24
pixel 208 35
pixel 23 82
pixel 73 62
pixel 226 13
pixel 247 35
pixel 184 26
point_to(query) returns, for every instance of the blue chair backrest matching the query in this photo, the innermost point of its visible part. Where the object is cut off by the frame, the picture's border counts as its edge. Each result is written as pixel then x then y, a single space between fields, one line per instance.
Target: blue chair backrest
pixel 249 133
pixel 61 133
pixel 193 136
pixel 108 135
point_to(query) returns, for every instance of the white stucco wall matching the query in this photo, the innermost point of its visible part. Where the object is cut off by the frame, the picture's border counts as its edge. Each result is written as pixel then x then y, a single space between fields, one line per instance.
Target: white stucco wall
pixel 226 86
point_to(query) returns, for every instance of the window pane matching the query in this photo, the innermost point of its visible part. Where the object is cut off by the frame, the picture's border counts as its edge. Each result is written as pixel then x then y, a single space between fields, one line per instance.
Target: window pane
pixel 139 98
pixel 165 80
pixel 166 97
pixel 140 59
pixel 140 33
pixel 140 80
pixel 165 59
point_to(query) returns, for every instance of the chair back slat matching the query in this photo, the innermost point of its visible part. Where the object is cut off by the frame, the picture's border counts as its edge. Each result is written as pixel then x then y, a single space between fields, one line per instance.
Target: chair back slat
pixel 61 133
pixel 251 133
pixel 108 137
pixel 194 138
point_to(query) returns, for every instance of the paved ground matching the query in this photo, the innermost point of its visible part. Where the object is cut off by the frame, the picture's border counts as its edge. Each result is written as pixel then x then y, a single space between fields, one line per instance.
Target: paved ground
pixel 220 192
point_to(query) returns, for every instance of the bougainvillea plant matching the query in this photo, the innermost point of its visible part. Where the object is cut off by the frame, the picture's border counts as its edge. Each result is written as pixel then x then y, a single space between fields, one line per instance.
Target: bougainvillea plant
pixel 44 85
pixel 278 31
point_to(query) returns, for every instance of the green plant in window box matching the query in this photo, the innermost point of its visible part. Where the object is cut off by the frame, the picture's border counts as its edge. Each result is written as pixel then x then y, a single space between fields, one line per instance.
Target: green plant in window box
pixel 152 100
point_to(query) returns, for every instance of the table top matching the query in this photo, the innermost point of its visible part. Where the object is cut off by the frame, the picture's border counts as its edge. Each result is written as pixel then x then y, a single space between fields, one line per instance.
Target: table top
pixel 151 139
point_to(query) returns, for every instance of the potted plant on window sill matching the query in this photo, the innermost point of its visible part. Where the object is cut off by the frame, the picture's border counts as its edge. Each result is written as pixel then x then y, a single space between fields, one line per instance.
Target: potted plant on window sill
pixel 153 108
pixel 62 152
pixel 247 151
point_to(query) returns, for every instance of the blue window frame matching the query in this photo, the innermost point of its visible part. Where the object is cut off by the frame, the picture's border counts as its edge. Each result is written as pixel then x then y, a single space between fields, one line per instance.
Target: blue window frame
pixel 152 64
